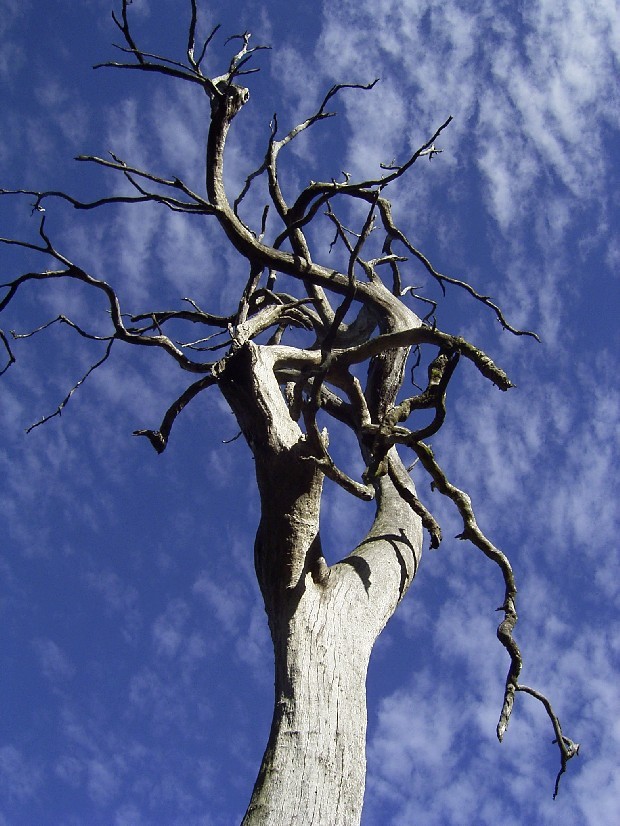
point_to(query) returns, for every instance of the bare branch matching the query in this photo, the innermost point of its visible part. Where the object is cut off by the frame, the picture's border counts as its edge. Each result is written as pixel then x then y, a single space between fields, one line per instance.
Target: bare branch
pixel 40 196
pixel 163 69
pixel 64 402
pixel 428 520
pixel 72 271
pixel 62 319
pixel 424 335
pixel 159 438
pixel 124 27
pixel 321 114
pixel 472 532
pixel 326 343
pixel 320 456
pixel 360 188
pixel 191 40
pixel 397 234
pixel 11 357
pixel 568 748
pixel 199 204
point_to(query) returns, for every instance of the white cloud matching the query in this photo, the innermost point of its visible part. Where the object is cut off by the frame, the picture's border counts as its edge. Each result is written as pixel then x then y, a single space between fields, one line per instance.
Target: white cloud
pixel 228 600
pixel 529 96
pixel 168 628
pixel 102 782
pixel 119 598
pixel 55 664
pixel 19 777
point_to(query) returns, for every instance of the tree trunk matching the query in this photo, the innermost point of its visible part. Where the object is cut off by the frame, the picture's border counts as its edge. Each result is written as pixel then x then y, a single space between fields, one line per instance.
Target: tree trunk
pixel 323 621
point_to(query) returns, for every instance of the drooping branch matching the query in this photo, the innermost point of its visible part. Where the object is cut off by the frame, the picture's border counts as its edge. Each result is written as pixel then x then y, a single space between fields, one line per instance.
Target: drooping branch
pixel 505 629
pixel 568 748
pixel 159 438
pixel 65 401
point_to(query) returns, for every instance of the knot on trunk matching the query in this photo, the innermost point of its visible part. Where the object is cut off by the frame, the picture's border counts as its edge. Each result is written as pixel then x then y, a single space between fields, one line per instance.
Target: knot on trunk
pixel 230 100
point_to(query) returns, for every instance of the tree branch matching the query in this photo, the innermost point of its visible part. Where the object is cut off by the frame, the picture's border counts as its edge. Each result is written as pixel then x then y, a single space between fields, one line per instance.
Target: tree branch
pixel 568 748
pixel 505 629
pixel 72 271
pixel 64 402
pixel 159 438
pixel 9 352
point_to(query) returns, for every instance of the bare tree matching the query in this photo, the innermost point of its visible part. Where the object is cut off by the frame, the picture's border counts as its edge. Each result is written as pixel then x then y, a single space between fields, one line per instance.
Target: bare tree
pixel 308 349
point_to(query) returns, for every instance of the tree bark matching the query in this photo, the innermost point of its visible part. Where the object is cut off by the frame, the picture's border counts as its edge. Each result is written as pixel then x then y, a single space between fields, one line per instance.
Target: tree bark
pixel 323 621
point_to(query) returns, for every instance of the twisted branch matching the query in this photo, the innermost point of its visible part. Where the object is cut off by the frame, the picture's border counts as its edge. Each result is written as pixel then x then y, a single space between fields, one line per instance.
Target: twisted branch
pixel 505 629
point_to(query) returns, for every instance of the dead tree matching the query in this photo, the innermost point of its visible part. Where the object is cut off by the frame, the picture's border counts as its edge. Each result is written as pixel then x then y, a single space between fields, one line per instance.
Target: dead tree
pixel 290 364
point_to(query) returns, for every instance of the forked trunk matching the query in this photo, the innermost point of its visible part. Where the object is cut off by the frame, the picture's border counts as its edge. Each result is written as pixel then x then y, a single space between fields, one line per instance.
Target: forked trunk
pixel 323 621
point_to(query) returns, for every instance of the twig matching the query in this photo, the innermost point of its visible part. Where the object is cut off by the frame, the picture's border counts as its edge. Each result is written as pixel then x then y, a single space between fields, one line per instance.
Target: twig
pixel 64 402
pixel 11 357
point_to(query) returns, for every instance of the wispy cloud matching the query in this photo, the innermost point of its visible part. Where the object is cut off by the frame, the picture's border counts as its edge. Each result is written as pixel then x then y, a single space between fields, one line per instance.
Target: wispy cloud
pixel 55 664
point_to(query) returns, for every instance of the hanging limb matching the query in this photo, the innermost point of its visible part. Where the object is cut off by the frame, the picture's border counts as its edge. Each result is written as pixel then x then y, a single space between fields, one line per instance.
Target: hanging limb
pixel 159 438
pixel 567 747
pixel 64 402
pixel 472 532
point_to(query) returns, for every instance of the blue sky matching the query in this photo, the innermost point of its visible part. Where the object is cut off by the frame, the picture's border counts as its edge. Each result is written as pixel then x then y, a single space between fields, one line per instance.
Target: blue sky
pixel 136 683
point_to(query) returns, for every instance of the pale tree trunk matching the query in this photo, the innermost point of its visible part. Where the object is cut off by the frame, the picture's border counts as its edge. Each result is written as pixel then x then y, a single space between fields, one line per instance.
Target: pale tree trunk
pixel 324 621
